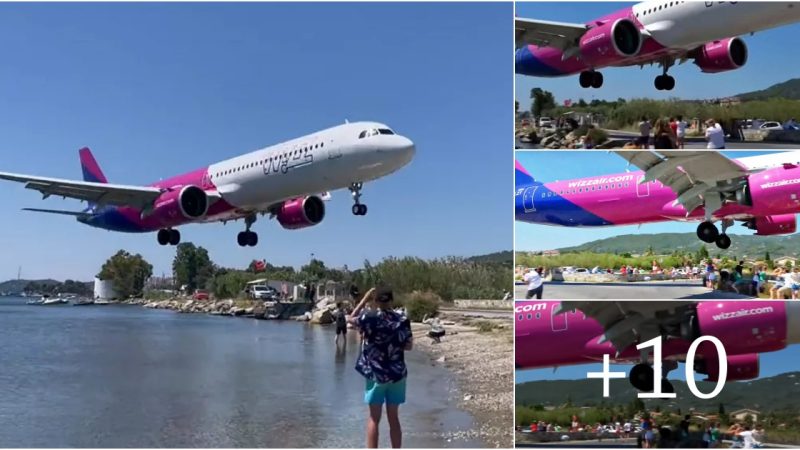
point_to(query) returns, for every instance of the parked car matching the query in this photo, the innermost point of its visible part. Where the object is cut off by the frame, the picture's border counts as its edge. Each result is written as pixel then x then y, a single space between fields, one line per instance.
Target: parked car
pixel 771 125
pixel 263 292
pixel 200 294
pixel 546 122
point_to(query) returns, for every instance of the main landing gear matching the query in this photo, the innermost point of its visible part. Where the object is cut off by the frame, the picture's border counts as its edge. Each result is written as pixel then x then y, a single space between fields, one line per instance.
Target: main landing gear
pixel 248 238
pixel 642 377
pixel 665 82
pixel 169 236
pixel 707 232
pixel 359 209
pixel 592 79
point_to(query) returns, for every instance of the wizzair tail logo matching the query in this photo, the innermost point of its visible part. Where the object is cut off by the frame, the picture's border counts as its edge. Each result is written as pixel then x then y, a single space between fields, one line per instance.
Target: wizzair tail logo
pixel 599 181
pixel 780 183
pixel 743 313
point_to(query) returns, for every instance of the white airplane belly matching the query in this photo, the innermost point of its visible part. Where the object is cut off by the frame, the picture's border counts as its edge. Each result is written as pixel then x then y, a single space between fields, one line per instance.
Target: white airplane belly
pixel 694 23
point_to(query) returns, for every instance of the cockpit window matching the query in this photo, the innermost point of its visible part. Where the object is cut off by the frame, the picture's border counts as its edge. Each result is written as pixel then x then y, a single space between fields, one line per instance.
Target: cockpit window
pixel 373 132
pixel 385 131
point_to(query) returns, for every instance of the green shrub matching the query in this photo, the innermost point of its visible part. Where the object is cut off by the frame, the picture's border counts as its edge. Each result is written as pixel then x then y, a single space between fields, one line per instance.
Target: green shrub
pixel 421 304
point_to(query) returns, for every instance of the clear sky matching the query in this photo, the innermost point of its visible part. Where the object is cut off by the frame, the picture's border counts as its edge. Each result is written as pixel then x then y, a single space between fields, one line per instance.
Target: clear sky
pixel 767 64
pixel 550 166
pixel 772 363
pixel 160 89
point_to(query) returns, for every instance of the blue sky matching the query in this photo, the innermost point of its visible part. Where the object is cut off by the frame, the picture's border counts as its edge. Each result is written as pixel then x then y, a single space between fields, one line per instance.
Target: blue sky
pixel 159 89
pixel 772 363
pixel 767 49
pixel 557 166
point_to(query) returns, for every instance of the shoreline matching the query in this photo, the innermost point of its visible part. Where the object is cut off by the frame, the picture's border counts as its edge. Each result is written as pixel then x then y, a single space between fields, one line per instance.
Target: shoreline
pixel 480 361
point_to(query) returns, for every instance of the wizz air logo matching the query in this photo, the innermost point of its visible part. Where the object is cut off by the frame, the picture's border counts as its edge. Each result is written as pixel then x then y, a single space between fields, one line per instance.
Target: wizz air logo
pixel 598 181
pixel 743 313
pixel 780 183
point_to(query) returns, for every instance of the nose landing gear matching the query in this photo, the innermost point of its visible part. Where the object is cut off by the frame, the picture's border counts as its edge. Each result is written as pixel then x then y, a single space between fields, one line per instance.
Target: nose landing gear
pixel 359 209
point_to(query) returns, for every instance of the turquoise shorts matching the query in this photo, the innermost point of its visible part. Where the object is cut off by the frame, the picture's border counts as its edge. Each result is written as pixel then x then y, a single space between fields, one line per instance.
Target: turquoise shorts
pixel 389 393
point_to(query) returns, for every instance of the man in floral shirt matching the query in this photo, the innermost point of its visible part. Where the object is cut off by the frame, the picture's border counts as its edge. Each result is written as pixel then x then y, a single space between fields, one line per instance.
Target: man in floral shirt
pixel 386 336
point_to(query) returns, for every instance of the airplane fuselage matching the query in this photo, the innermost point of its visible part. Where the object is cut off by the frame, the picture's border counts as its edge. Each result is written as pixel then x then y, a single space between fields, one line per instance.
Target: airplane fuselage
pixel 623 199
pixel 327 160
pixel 670 30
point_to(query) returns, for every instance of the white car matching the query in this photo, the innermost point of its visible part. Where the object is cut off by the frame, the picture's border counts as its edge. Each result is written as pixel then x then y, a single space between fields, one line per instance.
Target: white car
pixel 545 122
pixel 771 125
pixel 581 270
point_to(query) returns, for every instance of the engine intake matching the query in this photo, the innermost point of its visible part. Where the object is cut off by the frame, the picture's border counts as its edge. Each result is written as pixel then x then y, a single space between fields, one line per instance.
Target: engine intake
pixel 610 42
pixel 175 206
pixel 301 212
pixel 721 56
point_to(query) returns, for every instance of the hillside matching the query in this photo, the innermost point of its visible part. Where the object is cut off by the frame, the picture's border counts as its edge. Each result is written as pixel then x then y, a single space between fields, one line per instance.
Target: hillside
pixel 47 286
pixel 788 90
pixel 504 257
pixel 765 394
pixel 666 243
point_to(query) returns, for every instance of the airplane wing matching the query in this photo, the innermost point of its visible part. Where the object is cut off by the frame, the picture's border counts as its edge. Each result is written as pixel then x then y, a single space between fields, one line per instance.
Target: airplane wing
pixel 697 177
pixel 629 323
pixel 563 36
pixel 99 193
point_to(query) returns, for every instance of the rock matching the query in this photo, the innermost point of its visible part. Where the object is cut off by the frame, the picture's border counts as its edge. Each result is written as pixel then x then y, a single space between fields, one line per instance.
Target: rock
pixel 322 316
pixel 236 311
pixel 303 318
pixel 441 360
pixel 249 310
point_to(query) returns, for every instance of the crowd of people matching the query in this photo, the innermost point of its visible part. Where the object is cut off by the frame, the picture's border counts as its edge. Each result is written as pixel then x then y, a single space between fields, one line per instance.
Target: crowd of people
pixel 670 133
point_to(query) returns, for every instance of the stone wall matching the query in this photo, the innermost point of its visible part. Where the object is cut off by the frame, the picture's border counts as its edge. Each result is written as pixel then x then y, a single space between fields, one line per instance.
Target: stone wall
pixel 484 304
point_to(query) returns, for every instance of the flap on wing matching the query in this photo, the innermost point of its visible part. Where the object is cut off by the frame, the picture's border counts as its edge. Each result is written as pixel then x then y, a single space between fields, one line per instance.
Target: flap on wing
pixel 543 33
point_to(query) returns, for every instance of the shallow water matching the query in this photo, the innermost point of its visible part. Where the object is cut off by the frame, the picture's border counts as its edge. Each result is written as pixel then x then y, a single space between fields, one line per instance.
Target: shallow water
pixel 125 376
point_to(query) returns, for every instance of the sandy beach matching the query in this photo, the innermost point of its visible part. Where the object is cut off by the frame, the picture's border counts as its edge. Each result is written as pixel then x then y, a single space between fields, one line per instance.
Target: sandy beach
pixel 483 362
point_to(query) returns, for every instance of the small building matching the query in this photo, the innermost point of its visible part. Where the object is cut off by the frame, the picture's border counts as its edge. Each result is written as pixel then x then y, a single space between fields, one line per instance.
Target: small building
pixel 740 415
pixel 104 289
pixel 786 261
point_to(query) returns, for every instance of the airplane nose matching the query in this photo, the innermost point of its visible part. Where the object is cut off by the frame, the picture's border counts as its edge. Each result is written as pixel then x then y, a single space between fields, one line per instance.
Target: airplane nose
pixel 792 322
pixel 405 148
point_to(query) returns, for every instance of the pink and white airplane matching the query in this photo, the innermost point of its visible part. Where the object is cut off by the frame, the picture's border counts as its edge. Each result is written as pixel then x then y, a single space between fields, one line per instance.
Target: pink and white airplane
pixel 763 192
pixel 581 332
pixel 288 180
pixel 652 32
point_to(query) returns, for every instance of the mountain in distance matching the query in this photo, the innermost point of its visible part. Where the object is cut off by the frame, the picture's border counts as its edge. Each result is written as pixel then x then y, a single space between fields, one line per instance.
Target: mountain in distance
pixel 774 393
pixel 502 257
pixel 46 286
pixel 788 90
pixel 750 246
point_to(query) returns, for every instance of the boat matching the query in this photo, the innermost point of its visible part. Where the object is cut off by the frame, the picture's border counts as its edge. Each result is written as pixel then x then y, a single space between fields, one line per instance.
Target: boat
pixel 35 302
pixel 100 301
pixel 50 301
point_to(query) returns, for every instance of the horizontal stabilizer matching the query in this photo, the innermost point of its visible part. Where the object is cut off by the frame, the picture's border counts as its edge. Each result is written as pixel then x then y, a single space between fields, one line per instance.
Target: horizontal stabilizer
pixel 58 211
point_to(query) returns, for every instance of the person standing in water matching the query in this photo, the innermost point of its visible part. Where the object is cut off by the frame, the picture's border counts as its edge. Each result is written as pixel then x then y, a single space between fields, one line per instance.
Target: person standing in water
pixel 386 336
pixel 340 319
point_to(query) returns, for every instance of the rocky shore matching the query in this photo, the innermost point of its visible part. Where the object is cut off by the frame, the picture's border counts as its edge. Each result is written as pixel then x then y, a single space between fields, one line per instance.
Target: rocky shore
pixel 481 353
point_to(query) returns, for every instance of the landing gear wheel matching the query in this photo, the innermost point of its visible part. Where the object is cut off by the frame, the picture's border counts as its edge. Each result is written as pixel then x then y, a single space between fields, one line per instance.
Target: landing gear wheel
pixel 667 387
pixel 252 239
pixel 597 80
pixel 174 237
pixel 241 238
pixel 247 239
pixel 359 209
pixel 641 377
pixel 586 79
pixel 723 241
pixel 707 232
pixel 669 83
pixel 163 237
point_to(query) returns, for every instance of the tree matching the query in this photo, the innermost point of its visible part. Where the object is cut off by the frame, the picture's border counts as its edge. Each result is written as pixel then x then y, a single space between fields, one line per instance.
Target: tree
pixel 702 253
pixel 192 266
pixel 127 273
pixel 542 101
pixel 721 410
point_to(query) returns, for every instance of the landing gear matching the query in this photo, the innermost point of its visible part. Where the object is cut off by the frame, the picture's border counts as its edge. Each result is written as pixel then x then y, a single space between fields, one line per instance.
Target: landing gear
pixel 642 377
pixel 665 83
pixel 359 209
pixel 590 78
pixel 248 238
pixel 708 233
pixel 169 236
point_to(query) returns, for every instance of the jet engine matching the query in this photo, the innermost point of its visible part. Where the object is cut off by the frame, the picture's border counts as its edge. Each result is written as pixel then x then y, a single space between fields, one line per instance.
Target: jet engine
pixel 740 367
pixel 301 212
pixel 773 225
pixel 743 327
pixel 610 42
pixel 189 202
pixel 721 56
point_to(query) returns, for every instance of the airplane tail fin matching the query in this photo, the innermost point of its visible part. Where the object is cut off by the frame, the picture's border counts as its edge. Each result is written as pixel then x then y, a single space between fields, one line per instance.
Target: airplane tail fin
pixel 91 170
pixel 521 176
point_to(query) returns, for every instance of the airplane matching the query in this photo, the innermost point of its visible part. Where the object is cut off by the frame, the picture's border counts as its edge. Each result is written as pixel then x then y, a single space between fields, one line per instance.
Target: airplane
pixel 581 332
pixel 289 181
pixel 652 32
pixel 762 192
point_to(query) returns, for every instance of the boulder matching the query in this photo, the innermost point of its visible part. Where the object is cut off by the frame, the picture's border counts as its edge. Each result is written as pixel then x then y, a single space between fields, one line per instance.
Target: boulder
pixel 236 311
pixel 322 316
